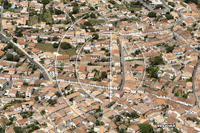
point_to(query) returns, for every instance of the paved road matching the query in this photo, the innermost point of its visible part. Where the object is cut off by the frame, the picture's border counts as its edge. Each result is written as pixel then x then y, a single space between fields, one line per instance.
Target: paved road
pixel 122 64
pixel 2 37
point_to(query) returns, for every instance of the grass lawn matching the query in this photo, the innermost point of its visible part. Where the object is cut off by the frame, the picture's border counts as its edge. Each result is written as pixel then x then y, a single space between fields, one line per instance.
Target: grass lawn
pixel 95 21
pixel 136 9
pixel 47 16
pixel 49 48
pixel 4 120
pixel 12 10
pixel 33 20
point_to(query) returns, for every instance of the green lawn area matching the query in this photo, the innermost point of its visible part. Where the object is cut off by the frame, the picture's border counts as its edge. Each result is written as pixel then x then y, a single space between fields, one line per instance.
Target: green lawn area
pixel 49 48
pixel 33 20
pixel 95 21
pixel 12 10
pixel 136 9
pixel 48 16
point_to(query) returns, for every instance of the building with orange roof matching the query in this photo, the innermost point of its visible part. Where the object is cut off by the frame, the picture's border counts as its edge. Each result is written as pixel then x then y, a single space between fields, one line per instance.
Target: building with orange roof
pixel 62 58
pixel 31 45
pixel 2 54
pixel 139 69
pixel 36 51
pixel 12 92
pixel 21 42
pixel 191 7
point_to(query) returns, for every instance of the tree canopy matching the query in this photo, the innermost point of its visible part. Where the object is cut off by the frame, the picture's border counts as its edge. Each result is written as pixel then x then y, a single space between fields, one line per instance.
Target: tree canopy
pixel 103 75
pixel 146 128
pixel 169 16
pixel 65 45
pixel 152 72
pixel 55 45
pixel 159 6
pixel 152 14
pixel 96 36
pixel 157 60
pixel 42 112
pixel 170 49
pixel 9 56
pixel 18 130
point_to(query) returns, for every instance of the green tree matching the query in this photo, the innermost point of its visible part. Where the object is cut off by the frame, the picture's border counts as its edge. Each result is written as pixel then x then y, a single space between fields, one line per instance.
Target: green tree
pixel 170 49
pixel 157 60
pixel 87 23
pixel 45 1
pixel 39 40
pixel 19 33
pixel 176 130
pixel 176 93
pixel 185 96
pixel 152 72
pixel 6 4
pixel 65 45
pixel 75 10
pixel 2 130
pixel 10 45
pixel 58 94
pixel 74 4
pixel 171 3
pixel 103 75
pixel 55 45
pixel 15 40
pixel 92 15
pixel 152 14
pixel 42 112
pixel 159 6
pixel 55 38
pixel 52 102
pixel 36 98
pixel 96 36
pixel 16 58
pixel 9 56
pixel 146 128
pixel 169 16
pixel 18 130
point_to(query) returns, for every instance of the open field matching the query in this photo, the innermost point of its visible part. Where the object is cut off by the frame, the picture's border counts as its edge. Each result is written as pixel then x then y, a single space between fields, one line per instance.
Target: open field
pixel 49 48
pixel 33 20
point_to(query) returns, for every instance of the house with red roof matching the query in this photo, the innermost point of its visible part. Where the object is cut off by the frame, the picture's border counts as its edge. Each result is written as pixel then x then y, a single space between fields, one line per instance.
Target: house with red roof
pixel 21 42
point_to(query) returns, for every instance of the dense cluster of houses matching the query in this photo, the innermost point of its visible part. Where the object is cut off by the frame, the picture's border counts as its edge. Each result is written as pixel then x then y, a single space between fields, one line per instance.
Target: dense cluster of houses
pixel 136 65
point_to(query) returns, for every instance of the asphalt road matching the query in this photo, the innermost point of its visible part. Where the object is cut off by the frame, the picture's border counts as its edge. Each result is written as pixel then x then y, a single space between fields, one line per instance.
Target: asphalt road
pixel 122 65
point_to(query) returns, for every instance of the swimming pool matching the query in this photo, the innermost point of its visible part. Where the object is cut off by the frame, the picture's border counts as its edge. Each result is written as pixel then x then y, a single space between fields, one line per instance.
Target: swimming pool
pixel 159 75
pixel 13 7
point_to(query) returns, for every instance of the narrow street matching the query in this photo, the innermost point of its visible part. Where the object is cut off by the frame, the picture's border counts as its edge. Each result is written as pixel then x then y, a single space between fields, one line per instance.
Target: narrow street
pixel 122 64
